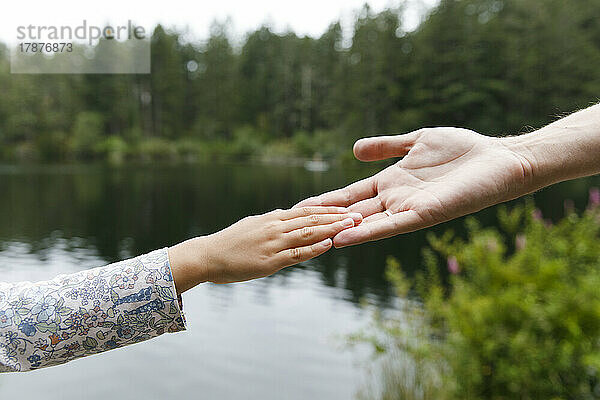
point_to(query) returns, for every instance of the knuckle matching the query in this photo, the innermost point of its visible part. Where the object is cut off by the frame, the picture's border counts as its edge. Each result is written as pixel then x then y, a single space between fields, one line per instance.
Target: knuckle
pixel 276 212
pixel 347 195
pixel 295 254
pixel 272 227
pixel 314 219
pixel 306 232
pixel 307 210
pixel 264 260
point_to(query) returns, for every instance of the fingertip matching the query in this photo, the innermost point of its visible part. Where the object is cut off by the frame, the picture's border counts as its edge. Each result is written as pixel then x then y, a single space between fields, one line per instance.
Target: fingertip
pixel 357 217
pixel 326 243
pixel 338 244
pixel 344 238
pixel 348 223
pixel 359 147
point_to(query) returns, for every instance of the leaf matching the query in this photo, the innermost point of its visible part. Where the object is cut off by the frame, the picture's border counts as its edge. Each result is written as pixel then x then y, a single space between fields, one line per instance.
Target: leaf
pixel 107 324
pixel 162 322
pixel 23 311
pixel 65 311
pixel 47 327
pixel 165 293
pixel 119 319
pixel 89 343
pixel 114 295
pixel 110 312
pixel 100 335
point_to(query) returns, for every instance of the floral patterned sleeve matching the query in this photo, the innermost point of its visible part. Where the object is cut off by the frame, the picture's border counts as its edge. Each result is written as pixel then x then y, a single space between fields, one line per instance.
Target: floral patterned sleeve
pixel 72 316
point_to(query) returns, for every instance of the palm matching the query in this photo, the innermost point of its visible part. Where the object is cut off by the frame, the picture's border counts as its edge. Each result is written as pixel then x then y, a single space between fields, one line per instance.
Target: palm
pixel 445 173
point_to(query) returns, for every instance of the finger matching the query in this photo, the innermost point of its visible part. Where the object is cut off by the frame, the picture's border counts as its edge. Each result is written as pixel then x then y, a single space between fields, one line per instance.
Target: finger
pixel 367 207
pixel 299 254
pixel 319 219
pixel 382 147
pixel 297 212
pixel 375 217
pixel 381 228
pixel 344 197
pixel 313 234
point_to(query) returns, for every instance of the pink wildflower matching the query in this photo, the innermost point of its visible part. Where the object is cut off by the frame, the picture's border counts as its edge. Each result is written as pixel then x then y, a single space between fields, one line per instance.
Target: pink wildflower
pixel 453 266
pixel 537 214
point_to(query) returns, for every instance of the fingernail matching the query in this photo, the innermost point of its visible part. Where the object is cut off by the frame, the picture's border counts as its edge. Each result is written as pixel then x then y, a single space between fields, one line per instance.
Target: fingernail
pixel 356 216
pixel 325 243
pixel 348 222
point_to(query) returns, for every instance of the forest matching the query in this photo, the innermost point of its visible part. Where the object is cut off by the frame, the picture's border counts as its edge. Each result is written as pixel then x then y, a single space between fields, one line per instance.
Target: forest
pixel 496 66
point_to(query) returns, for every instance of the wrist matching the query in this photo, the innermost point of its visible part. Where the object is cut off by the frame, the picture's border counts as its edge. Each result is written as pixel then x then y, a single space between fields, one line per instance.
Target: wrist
pixel 545 159
pixel 189 263
pixel 566 149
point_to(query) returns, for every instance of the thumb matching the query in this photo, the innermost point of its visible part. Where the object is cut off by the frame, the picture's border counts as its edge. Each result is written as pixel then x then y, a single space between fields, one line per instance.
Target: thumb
pixel 382 147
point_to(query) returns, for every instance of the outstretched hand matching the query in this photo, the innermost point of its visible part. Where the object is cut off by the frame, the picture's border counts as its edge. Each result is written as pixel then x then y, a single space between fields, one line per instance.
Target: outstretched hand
pixel 445 173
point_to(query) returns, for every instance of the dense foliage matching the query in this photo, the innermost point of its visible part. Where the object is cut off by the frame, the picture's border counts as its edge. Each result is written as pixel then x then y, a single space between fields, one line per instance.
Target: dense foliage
pixel 519 317
pixel 490 65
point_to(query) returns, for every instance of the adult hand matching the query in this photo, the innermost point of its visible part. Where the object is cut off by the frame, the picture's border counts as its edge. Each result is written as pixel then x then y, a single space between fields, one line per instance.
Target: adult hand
pixel 444 173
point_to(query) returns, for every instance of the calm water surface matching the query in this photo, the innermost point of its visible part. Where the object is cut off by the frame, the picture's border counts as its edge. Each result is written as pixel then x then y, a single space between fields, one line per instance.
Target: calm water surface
pixel 274 338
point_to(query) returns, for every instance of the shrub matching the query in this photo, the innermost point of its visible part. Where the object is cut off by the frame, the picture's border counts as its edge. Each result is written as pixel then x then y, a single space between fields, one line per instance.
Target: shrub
pixel 247 142
pixel 114 149
pixel 192 149
pixel 520 315
pixel 155 149
pixel 51 145
pixel 87 130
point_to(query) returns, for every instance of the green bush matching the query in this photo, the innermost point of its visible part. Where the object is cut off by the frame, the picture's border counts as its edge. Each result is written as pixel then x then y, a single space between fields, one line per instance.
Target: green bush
pixel 247 142
pixel 304 144
pixel 155 149
pixel 280 151
pixel 51 145
pixel 322 143
pixel 114 149
pixel 87 131
pixel 519 317
pixel 191 149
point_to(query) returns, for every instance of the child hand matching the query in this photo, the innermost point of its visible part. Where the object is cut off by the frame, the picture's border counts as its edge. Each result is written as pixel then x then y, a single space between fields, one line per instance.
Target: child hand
pixel 259 246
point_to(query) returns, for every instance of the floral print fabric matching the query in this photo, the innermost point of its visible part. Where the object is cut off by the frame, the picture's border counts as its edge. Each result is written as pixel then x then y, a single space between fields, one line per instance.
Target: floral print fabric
pixel 72 316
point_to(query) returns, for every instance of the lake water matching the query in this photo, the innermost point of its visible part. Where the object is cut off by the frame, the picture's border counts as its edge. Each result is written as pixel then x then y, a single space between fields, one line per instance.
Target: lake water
pixel 275 338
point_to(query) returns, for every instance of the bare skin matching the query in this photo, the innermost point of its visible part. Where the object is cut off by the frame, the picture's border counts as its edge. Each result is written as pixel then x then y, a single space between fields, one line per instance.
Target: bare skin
pixel 258 246
pixel 446 173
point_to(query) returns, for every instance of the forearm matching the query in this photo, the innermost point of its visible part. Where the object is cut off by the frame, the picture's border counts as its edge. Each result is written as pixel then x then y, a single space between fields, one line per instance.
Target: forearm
pixel 566 149
pixel 72 316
